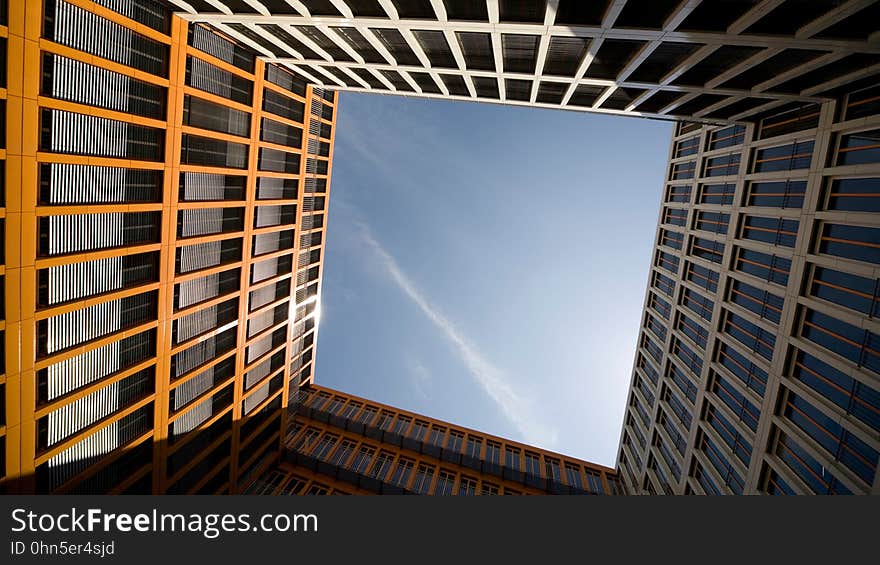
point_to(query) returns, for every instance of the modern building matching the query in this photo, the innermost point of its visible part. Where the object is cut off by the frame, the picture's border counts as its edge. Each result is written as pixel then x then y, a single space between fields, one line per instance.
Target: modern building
pixel 164 211
pixel 342 444
pixel 758 363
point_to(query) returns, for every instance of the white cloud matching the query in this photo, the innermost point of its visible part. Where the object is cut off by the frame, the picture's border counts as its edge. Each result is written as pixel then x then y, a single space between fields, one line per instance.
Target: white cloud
pixel 493 380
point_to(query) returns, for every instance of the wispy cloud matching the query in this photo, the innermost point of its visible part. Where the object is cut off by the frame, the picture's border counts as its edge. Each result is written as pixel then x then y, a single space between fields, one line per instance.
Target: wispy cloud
pixel 421 378
pixel 492 379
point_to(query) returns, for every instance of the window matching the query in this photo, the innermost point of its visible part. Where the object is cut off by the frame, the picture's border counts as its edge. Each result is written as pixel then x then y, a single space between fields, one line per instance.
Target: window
pixel 775 485
pixel 510 491
pixel 419 430
pixel 474 446
pixel 573 476
pixel 489 489
pixel 455 441
pixel 340 456
pixel 863 102
pixel 729 434
pixel 775 231
pixel 770 268
pixel 722 466
pixel 493 452
pixel 789 120
pixel 693 330
pixel 717 193
pixel 401 425
pixel 678 408
pixel 707 249
pixel 325 445
pixel 655 326
pixel 777 194
pixel 663 283
pixel 687 147
pixel 317 489
pixel 381 465
pixel 683 382
pixel 671 428
pixel 669 459
pixel 402 472
pixel 859 148
pixel 645 390
pixel 640 410
pixel 784 157
pixel 467 486
pixel 351 409
pixel 817 476
pixel 841 445
pixel 683 170
pixel 712 222
pixel 671 239
pixel 701 276
pixel 761 302
pixel 335 404
pixel 294 486
pixel 862 347
pixel 424 477
pixel 726 137
pixel 437 435
pixel 852 242
pixel 305 441
pixel 744 409
pixel 752 336
pixel 678 194
pixel 855 195
pixel 726 165
pixel 652 348
pixel 667 261
pixel 750 374
pixel 675 216
pixel 385 419
pixel 552 469
pixel 853 397
pixel 512 458
pixel 445 483
pixel 659 305
pixel 697 303
pixel 362 460
pixel 368 414
pixel 533 464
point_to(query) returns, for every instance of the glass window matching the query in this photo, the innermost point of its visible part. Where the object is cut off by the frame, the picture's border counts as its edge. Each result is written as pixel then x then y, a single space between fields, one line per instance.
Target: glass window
pixel 647 368
pixel 717 193
pixel 455 441
pixel 775 231
pixel 840 444
pixel 693 330
pixel 533 464
pixel 493 452
pixel 776 486
pixel 777 194
pixel 725 165
pixel 438 433
pixel 340 456
pixel 445 483
pixel 683 382
pixel 712 222
pixel 722 466
pixel 671 428
pixel 424 477
pixel 652 348
pixel 683 170
pixel 757 339
pixel 362 460
pixel 770 268
pixel 742 407
pixel 573 476
pixel 817 476
pixel 701 276
pixel 336 404
pixel 368 414
pixel 761 302
pixel 689 146
pixel 467 486
pixel 751 375
pixel 419 430
pixel 381 465
pixel 512 458
pixel 474 446
pixel 678 407
pixel 855 398
pixel 687 356
pixel 402 472
pixel 852 242
pixel 663 283
pixel 707 249
pixel 862 347
pixel 552 469
pixel 859 148
pixel 351 409
pixel 697 303
pixel 671 239
pixel 784 157
pixel 489 489
pixel 325 445
pixel 855 195
pixel 401 425
pixel 385 419
pixel 675 216
pixel 726 137
pixel 729 434
pixel 678 193
pixel 667 261
pixel 655 326
pixel 661 306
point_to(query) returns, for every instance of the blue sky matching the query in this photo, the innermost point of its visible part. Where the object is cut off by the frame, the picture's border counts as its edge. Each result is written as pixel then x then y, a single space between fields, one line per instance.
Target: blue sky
pixel 487 264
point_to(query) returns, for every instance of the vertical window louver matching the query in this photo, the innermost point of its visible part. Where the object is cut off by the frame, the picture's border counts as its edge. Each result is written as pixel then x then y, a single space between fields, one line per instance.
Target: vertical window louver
pixel 198 150
pixel 209 254
pixel 266 344
pixel 95 277
pixel 274 216
pixel 209 42
pixel 201 412
pixel 84 454
pixel 77 28
pixel 197 323
pixel 75 81
pixel 80 326
pixel 263 370
pixel 88 232
pixel 200 187
pixel 193 291
pixel 273 188
pixel 214 80
pixel 80 134
pixel 202 352
pixel 271 242
pixel 270 268
pixel 207 221
pixel 265 320
pixel 192 388
pixel 89 184
pixel 83 412
pixel 81 370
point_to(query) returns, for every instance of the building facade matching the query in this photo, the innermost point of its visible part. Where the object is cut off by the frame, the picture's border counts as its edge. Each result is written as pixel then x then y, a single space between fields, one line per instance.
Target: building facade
pixel 758 363
pixel 164 221
pixel 164 211
pixel 342 444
